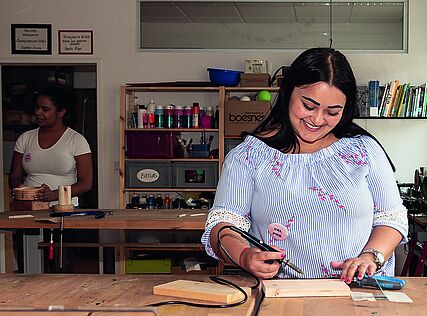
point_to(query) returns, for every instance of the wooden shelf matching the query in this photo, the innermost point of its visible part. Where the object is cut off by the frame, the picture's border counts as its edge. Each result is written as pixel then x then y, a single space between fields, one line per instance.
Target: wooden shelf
pixel 175 159
pixel 171 89
pixel 169 189
pixel 182 130
pixel 389 118
pixel 131 246
pixel 243 89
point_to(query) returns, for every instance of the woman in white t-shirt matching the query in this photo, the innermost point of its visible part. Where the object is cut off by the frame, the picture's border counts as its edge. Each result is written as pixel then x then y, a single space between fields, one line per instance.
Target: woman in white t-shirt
pixel 52 154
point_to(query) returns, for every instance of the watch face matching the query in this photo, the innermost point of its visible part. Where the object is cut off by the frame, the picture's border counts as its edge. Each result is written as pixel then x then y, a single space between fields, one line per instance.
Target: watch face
pixel 380 257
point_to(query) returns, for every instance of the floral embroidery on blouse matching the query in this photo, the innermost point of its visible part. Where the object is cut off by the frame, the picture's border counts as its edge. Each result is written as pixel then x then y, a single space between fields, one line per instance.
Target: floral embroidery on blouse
pixel 324 196
pixel 276 163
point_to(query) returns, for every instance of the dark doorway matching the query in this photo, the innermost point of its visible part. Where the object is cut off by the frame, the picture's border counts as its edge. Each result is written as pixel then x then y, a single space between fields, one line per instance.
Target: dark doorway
pixel 19 85
pixel 21 82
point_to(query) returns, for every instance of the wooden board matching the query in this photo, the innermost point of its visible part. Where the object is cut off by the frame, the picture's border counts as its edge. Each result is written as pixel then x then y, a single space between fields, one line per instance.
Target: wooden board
pixel 205 291
pixel 303 288
pixel 16 205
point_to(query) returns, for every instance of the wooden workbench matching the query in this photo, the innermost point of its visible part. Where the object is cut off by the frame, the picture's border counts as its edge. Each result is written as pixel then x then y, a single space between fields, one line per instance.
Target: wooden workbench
pixel 104 291
pixel 120 220
pixel 416 289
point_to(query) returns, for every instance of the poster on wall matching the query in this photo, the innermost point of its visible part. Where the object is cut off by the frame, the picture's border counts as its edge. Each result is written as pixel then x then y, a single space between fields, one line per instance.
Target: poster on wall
pixel 33 39
pixel 75 42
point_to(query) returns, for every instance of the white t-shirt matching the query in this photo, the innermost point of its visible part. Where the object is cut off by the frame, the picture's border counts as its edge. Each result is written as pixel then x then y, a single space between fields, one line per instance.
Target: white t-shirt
pixel 55 165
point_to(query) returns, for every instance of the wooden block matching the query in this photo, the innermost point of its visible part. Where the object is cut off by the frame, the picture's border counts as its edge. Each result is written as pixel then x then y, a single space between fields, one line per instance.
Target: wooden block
pixel 63 208
pixel 302 288
pixel 205 291
pixel 16 205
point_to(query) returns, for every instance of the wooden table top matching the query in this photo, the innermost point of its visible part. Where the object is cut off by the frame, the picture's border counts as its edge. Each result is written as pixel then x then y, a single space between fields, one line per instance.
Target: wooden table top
pixel 104 291
pixel 118 219
pixel 416 289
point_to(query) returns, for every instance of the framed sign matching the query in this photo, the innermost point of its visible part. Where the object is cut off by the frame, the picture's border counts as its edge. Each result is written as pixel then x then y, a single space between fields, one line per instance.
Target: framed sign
pixel 35 39
pixel 75 42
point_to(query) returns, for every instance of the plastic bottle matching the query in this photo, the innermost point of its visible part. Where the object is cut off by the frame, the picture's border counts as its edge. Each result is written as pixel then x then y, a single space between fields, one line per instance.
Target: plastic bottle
pixel 143 201
pixel 159 117
pixel 206 120
pixel 169 117
pixel 151 202
pixel 151 108
pixel 167 201
pixel 187 117
pixel 195 111
pixel 178 116
pixel 159 201
pixel 141 113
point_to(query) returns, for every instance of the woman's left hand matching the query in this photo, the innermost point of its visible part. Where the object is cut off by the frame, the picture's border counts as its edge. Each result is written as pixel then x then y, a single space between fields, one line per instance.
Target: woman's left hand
pixel 45 194
pixel 355 267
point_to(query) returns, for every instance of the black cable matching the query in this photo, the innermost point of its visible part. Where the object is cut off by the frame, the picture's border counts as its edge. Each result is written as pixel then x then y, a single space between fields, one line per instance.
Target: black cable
pixel 218 280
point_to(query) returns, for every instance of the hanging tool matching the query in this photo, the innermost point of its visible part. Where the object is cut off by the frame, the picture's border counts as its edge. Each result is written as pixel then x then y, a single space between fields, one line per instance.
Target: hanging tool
pixel 51 254
pixel 61 243
pixel 381 282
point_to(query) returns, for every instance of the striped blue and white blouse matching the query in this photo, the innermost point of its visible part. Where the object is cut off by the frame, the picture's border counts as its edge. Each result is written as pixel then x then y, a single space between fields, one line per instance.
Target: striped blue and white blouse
pixel 325 204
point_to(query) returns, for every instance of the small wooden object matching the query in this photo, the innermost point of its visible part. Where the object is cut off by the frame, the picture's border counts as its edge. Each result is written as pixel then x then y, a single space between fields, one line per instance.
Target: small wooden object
pixel 64 199
pixel 24 199
pixel 304 288
pixel 205 291
pixel 25 193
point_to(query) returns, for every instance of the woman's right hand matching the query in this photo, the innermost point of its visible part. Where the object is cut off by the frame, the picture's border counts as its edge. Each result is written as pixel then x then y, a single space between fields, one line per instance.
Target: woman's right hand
pixel 253 260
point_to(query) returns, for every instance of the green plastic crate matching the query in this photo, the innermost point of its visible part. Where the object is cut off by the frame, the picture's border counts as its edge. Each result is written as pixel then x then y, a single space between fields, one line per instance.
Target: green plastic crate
pixel 142 266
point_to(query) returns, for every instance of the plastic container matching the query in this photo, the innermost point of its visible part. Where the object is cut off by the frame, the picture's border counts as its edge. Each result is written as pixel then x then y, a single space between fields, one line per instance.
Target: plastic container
pixel 169 117
pixel 145 174
pixel 200 150
pixel 224 77
pixel 188 117
pixel 195 174
pixel 195 112
pixel 178 117
pixel 159 117
pixel 141 266
pixel 150 144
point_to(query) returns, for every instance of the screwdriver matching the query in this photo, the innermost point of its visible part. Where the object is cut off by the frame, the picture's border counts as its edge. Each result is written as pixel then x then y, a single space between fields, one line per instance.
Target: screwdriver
pixel 51 256
pixel 381 282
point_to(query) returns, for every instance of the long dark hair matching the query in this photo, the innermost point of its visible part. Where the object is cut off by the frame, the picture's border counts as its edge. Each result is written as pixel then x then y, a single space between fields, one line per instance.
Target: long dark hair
pixel 313 65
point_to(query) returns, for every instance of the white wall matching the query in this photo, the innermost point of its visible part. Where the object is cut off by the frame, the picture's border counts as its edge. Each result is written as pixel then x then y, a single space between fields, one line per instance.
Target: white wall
pixel 114 23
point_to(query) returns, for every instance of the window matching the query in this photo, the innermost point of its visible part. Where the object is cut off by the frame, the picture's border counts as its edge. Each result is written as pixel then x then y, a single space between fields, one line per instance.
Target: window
pixel 374 25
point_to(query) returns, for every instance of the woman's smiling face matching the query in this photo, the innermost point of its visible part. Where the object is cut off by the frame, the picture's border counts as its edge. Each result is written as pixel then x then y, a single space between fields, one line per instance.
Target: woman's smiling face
pixel 314 110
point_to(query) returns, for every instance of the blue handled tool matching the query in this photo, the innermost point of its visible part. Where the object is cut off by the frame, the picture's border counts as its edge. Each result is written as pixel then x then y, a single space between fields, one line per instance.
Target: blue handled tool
pixel 381 282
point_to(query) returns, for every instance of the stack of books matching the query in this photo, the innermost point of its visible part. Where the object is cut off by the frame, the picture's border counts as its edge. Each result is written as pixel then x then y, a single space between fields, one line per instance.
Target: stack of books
pixel 397 100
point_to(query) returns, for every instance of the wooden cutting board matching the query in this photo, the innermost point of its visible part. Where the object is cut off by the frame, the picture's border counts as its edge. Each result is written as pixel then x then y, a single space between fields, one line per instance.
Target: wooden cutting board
pixel 305 287
pixel 205 291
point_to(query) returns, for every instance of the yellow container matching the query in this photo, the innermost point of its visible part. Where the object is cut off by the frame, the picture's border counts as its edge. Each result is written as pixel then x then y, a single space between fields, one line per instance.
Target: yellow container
pixel 143 266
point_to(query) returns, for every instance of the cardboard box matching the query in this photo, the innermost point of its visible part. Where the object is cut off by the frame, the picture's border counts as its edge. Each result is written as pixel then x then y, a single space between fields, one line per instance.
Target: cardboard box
pixel 243 116
pixel 254 80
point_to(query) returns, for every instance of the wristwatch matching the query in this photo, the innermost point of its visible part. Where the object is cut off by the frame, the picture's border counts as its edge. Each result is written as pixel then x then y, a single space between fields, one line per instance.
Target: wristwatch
pixel 378 257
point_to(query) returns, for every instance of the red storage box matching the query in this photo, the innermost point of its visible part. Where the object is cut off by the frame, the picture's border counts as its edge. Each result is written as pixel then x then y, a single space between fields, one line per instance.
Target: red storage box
pixel 150 144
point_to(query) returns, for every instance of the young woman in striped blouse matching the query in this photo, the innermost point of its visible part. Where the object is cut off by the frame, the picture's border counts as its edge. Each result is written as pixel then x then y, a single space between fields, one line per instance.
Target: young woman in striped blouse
pixel 311 183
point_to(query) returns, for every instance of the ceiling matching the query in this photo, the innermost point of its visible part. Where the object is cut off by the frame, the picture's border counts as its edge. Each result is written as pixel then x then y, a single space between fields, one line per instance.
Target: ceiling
pixel 269 12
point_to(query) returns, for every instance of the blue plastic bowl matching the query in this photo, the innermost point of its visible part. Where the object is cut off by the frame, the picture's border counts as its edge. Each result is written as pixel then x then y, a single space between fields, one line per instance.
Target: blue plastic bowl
pixel 224 77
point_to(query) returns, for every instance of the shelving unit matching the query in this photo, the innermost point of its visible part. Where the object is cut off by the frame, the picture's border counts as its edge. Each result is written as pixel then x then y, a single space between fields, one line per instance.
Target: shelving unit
pixel 128 99
pixel 175 249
